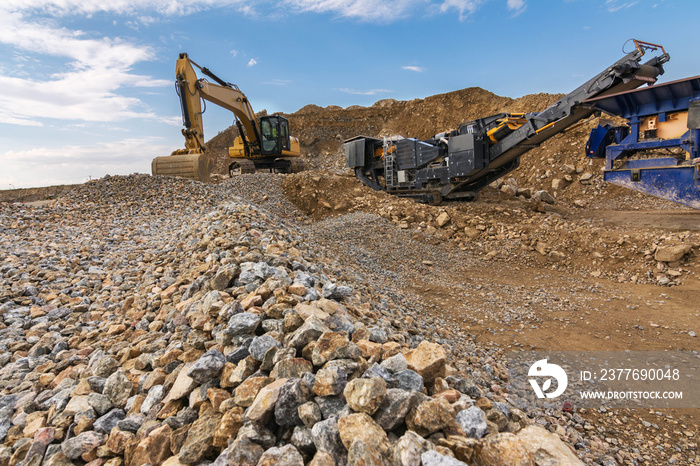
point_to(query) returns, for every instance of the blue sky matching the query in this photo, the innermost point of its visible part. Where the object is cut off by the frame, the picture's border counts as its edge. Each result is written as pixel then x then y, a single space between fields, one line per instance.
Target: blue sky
pixel 88 84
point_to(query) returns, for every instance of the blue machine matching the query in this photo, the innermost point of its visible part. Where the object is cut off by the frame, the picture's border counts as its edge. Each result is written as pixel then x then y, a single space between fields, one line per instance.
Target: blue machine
pixel 637 155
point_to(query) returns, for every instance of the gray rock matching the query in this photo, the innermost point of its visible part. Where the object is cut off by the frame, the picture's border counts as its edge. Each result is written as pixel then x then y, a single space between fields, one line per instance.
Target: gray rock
pixel 257 434
pixel 377 335
pixel 97 384
pixel 303 440
pixel 261 345
pixel 327 438
pixel 105 423
pixel 207 367
pixel 473 422
pixel 396 363
pixel 118 388
pixel 242 451
pixel 85 442
pixel 104 366
pixel 100 403
pixel 5 416
pixel 394 408
pixel 409 380
pixel 333 291
pixel 433 458
pixel 311 330
pixel 378 371
pixel 155 396
pixel 330 405
pixel 544 196
pixel 287 455
pixel 132 423
pixel 294 393
pixel 467 387
pixel 243 323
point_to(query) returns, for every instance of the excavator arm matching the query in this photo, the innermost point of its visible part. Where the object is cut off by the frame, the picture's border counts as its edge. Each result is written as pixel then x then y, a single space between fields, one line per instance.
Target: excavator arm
pixel 263 143
pixel 226 95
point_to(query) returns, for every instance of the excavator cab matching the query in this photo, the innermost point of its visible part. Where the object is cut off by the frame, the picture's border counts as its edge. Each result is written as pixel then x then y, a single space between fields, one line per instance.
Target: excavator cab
pixel 274 131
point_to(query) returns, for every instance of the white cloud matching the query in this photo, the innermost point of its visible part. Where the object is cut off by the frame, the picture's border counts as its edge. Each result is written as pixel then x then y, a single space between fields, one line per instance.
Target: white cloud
pixel 88 86
pixel 417 69
pixel 367 10
pixel 75 164
pixel 464 7
pixel 616 5
pixel 365 92
pixel 516 6
pixel 234 52
pixel 252 62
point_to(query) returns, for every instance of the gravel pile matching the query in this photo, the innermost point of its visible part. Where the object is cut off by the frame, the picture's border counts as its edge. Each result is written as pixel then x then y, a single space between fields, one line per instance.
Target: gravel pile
pixel 158 321
pixel 155 321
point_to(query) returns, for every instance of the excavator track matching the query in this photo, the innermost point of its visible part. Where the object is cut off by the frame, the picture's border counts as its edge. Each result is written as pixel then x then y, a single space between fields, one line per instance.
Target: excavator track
pixel 241 167
pixel 280 165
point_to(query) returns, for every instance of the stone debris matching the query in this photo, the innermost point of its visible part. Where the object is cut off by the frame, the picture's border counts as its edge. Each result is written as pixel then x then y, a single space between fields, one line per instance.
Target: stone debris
pixel 156 321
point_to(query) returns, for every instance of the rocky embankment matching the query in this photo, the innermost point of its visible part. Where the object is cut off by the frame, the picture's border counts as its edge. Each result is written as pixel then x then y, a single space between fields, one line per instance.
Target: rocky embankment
pixel 157 321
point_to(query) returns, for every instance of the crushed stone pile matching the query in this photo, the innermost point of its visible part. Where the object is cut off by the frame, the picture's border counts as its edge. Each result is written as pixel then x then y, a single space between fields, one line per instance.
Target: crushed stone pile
pixel 158 321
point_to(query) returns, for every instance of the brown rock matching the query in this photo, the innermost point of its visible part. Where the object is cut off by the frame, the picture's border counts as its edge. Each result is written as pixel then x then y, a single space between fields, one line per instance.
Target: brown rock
pixel 297 289
pixel 228 427
pixel 217 396
pixel 289 368
pixel 200 438
pixel 428 359
pixel 154 449
pixel 306 311
pixel 247 391
pixel 442 219
pixel 183 386
pixel 365 395
pixel 243 370
pixel 329 346
pixel 363 428
pixel 672 253
pixel 264 404
pixel 430 416
pixel 546 447
pixel 499 449
pixel 371 351
pixel 118 440
pixel 322 458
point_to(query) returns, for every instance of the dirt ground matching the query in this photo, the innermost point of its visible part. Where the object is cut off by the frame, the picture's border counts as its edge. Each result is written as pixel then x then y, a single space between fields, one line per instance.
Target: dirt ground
pixel 506 295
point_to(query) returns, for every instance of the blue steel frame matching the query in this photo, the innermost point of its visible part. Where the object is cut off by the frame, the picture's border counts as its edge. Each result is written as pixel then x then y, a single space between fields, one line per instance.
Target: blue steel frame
pixel 663 177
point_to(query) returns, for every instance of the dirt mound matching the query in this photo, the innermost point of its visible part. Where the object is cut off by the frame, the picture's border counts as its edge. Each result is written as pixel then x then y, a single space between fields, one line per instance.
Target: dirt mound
pixel 35 194
pixel 499 227
pixel 321 131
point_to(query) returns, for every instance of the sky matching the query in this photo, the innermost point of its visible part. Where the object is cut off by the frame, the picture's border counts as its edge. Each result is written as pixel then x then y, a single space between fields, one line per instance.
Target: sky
pixel 88 85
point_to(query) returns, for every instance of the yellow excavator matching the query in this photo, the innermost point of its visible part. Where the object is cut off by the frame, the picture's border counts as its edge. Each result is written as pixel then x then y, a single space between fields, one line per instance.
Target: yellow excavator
pixel 263 143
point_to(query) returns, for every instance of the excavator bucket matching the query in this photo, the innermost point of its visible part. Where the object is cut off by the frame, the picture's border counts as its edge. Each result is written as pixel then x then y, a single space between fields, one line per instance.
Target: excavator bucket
pixel 192 166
